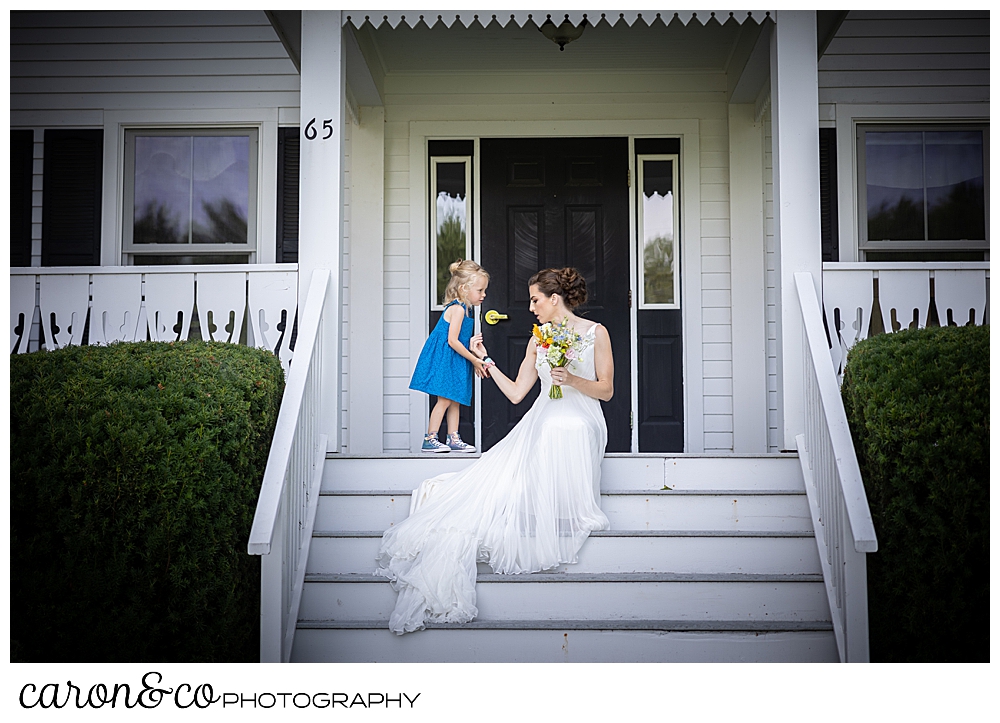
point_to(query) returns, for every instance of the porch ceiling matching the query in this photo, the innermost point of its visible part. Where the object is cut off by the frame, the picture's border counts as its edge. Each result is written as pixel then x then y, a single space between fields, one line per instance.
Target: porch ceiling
pixel 657 46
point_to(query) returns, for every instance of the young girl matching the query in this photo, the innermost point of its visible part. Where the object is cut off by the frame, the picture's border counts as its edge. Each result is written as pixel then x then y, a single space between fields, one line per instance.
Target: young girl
pixel 445 365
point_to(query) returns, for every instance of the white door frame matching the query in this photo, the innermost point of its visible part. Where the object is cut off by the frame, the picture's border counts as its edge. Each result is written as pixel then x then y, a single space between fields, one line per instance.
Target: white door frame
pixel 690 169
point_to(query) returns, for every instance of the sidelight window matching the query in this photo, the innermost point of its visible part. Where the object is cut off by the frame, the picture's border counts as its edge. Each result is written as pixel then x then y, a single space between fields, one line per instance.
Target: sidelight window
pixel 450 215
pixel 659 231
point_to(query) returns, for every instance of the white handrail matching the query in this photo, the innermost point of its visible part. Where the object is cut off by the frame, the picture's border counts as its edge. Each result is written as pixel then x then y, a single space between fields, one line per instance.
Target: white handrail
pixel 836 493
pixel 286 508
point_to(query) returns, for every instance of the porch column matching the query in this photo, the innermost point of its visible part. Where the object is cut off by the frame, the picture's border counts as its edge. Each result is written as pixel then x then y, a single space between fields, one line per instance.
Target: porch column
pixel 749 325
pixel 321 190
pixel 795 151
pixel 364 394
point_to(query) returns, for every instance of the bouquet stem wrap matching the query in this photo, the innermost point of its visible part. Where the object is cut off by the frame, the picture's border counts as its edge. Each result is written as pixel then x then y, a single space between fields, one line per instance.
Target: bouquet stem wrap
pixel 562 345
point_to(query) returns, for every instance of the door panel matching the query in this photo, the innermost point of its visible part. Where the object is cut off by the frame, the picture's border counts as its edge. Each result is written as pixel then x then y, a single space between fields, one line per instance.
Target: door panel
pixel 660 346
pixel 555 202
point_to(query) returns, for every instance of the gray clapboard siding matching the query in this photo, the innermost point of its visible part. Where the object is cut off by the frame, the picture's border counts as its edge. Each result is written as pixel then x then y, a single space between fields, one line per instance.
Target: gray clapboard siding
pixel 717 336
pixel 345 365
pixel 176 51
pixel 771 293
pixel 908 57
pixel 396 350
pixel 148 60
pixel 37 177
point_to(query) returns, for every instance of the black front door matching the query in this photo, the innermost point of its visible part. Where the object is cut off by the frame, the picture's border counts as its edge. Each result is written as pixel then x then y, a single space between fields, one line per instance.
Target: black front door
pixel 553 202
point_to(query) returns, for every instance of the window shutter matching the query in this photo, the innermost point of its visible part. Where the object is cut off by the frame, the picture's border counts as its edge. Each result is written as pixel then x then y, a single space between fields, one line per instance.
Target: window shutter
pixel 21 152
pixel 71 197
pixel 828 194
pixel 288 196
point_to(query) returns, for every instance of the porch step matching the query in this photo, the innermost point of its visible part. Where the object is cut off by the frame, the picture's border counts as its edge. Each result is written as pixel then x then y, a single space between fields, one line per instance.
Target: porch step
pixel 618 472
pixel 626 509
pixel 590 597
pixel 568 641
pixel 618 551
pixel 708 558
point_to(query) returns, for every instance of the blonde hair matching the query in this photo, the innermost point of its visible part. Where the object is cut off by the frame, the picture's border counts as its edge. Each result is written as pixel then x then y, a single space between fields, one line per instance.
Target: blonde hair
pixel 462 273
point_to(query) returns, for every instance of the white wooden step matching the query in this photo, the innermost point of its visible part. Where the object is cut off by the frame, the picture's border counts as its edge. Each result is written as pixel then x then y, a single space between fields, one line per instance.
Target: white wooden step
pixel 624 472
pixel 470 644
pixel 636 510
pixel 591 597
pixel 616 551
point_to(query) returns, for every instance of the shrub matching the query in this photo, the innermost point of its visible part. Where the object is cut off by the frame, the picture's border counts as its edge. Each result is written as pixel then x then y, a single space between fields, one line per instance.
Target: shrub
pixel 135 470
pixel 918 407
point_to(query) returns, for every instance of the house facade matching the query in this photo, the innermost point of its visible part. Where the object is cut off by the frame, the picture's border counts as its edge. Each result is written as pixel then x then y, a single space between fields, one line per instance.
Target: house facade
pixel 179 170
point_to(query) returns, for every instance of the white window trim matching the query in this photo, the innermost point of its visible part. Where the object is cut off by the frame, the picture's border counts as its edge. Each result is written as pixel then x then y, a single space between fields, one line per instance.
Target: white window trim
pixel 849 117
pixel 640 230
pixel 432 227
pixel 132 250
pixel 265 120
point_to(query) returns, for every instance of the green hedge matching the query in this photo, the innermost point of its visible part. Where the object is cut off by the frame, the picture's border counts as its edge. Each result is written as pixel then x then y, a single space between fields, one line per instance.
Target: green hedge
pixel 135 470
pixel 918 403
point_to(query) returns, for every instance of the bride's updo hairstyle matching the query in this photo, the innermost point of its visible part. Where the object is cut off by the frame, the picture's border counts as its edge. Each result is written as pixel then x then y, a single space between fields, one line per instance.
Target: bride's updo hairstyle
pixel 568 283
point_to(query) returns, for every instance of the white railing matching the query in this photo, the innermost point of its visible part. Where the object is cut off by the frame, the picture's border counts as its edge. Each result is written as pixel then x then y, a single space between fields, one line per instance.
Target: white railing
pixel 53 307
pixel 864 299
pixel 286 508
pixel 836 494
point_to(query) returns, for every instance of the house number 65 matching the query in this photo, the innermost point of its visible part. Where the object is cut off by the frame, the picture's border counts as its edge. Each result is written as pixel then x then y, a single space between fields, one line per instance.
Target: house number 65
pixel 311 132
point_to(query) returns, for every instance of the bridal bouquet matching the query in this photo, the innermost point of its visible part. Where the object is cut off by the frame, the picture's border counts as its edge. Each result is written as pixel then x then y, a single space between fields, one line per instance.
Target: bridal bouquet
pixel 563 345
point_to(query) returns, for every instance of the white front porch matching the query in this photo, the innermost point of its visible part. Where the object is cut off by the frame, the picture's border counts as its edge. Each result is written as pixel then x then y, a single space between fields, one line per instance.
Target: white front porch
pixel 741 94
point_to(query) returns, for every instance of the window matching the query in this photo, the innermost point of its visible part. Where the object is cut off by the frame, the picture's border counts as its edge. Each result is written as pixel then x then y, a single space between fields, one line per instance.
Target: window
pixel 922 192
pixel 450 215
pixel 190 196
pixel 658 225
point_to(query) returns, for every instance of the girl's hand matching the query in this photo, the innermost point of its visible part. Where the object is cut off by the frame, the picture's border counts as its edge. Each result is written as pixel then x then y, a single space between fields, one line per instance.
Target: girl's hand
pixel 476 346
pixel 480 370
pixel 562 377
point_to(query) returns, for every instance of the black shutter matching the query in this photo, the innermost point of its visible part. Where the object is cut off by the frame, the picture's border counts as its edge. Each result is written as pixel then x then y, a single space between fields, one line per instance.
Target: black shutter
pixel 71 197
pixel 288 196
pixel 21 152
pixel 828 194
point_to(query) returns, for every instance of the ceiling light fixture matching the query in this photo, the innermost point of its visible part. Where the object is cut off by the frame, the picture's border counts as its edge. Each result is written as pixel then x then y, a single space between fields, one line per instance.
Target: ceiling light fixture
pixel 563 33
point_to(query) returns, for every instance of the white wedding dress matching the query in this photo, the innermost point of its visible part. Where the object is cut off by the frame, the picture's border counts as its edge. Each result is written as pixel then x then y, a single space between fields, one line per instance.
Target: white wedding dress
pixel 528 504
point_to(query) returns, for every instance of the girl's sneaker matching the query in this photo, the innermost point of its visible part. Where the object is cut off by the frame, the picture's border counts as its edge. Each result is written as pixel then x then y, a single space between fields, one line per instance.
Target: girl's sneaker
pixel 433 444
pixel 456 444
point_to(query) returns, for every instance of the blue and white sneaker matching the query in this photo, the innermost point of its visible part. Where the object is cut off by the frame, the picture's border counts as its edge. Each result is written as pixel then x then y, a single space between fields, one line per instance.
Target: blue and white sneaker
pixel 456 444
pixel 433 444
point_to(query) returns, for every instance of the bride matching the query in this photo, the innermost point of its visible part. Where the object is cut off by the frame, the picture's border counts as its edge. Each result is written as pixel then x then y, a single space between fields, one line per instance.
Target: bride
pixel 529 503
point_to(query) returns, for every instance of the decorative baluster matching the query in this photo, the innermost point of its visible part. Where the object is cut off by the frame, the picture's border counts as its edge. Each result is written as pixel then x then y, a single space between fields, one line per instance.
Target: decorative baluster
pixel 22 310
pixel 114 314
pixel 169 306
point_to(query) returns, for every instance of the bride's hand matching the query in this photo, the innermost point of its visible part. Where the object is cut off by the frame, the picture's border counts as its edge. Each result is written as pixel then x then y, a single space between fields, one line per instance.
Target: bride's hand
pixel 561 377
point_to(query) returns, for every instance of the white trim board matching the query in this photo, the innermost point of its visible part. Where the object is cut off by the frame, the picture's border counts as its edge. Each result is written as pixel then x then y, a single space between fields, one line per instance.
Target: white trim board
pixel 115 124
pixel 686 129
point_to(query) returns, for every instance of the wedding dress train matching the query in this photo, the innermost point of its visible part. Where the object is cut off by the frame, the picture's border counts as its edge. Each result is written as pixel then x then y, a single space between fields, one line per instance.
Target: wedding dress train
pixel 526 505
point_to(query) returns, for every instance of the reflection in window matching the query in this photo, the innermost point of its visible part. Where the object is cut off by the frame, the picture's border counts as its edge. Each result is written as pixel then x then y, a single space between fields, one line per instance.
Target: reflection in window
pixel 191 189
pixel 450 214
pixel 924 185
pixel 190 192
pixel 658 229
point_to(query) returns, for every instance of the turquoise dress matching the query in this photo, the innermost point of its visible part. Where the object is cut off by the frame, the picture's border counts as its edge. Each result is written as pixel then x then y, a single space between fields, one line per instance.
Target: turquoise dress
pixel 440 370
